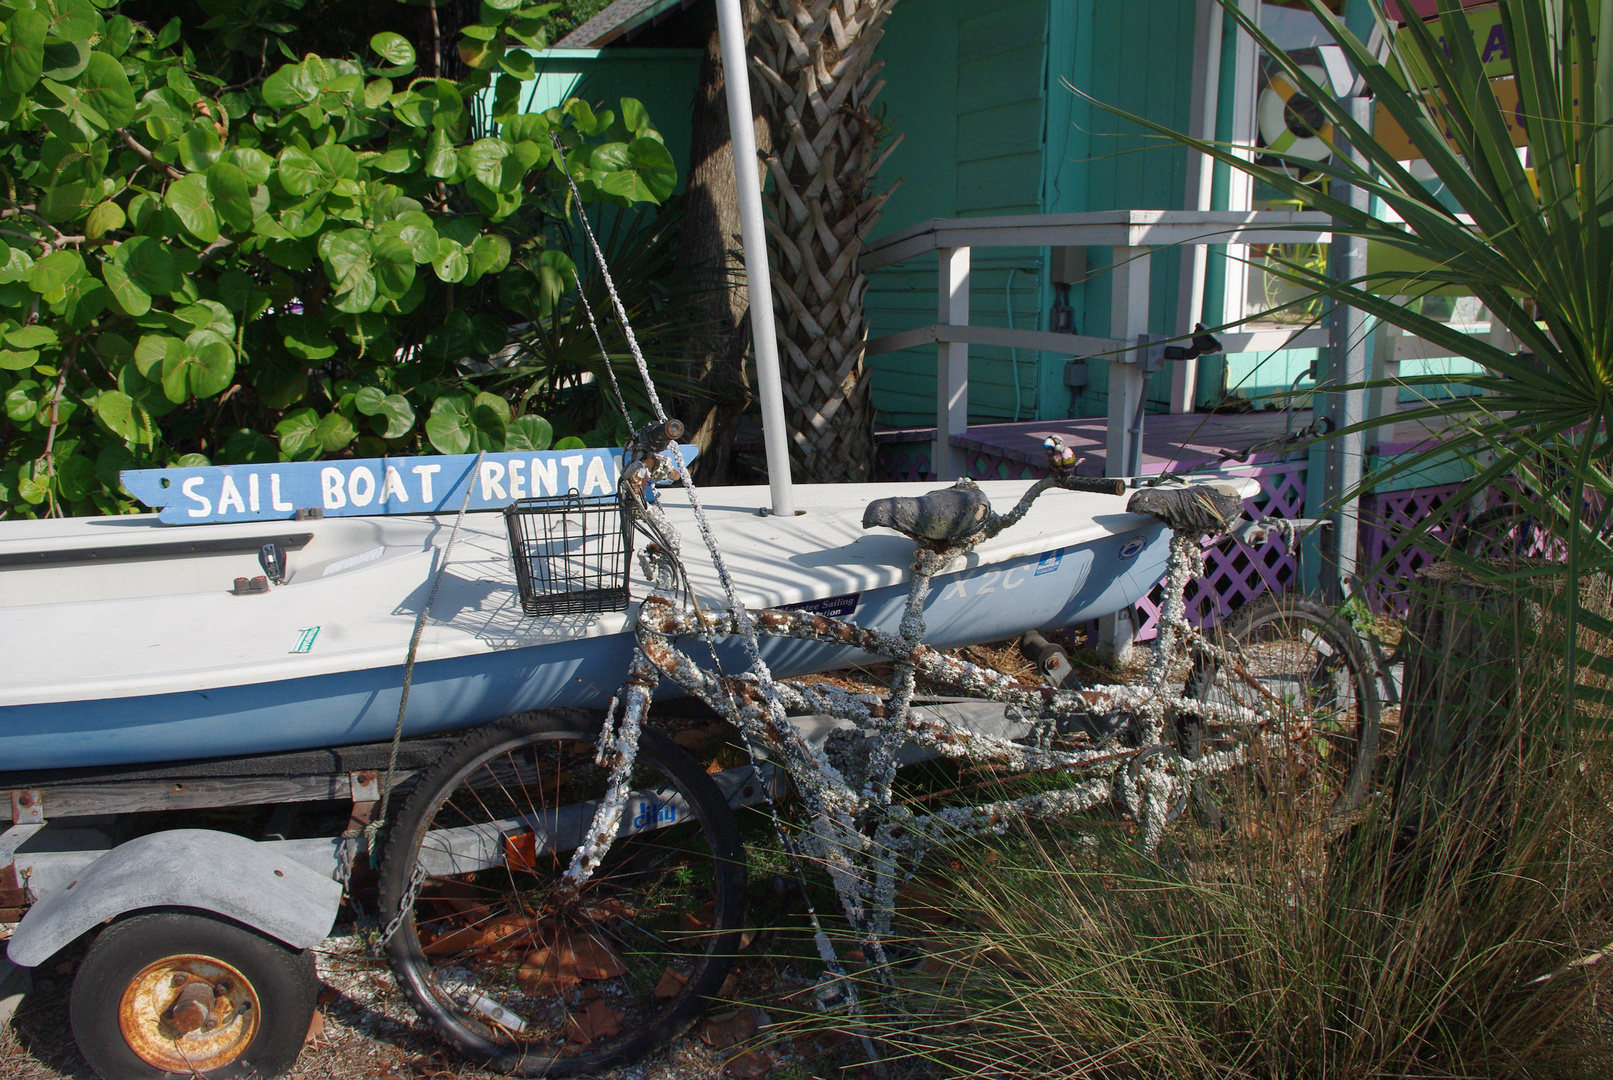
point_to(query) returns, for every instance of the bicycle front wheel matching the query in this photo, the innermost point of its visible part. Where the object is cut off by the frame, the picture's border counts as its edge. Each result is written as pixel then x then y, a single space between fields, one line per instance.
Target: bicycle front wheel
pixel 529 977
pixel 1300 659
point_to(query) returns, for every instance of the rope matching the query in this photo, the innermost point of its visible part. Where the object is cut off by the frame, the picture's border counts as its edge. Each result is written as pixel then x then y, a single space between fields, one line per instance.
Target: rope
pixel 373 829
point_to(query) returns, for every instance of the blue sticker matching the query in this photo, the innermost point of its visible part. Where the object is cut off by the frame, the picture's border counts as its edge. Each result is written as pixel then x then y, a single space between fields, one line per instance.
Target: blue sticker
pixel 1133 547
pixel 833 607
pixel 368 487
pixel 1049 562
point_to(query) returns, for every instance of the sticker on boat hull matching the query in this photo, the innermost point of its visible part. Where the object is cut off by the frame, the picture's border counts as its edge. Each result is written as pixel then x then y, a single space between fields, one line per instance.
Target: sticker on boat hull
pixel 1133 547
pixel 305 639
pixel 1049 562
pixel 833 607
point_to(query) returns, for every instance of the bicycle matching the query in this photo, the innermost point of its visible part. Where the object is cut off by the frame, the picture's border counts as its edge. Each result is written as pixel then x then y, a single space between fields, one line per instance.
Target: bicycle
pixel 570 894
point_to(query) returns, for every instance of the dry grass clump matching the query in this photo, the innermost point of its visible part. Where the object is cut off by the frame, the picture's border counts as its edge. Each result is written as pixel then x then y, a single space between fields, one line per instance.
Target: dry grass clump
pixel 1459 943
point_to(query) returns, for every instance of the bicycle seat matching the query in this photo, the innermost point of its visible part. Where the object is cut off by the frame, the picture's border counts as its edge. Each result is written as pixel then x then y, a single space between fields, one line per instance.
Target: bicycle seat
pixel 1205 509
pixel 945 515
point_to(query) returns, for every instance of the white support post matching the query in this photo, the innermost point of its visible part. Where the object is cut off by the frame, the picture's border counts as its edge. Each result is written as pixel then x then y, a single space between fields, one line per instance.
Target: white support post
pixel 1241 190
pixel 951 364
pixel 758 283
pixel 1200 176
pixel 1128 319
pixel 1385 400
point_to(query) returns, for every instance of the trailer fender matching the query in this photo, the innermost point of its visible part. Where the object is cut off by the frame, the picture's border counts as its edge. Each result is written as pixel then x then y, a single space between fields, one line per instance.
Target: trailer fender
pixel 194 868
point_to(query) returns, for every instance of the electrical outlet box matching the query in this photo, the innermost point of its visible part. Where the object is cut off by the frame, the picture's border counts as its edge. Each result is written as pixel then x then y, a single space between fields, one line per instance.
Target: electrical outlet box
pixel 1069 265
pixel 1075 374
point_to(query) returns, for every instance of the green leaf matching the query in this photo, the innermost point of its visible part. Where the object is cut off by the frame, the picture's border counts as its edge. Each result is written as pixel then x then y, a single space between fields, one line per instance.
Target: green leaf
pixel 334 432
pixel 393 48
pixel 528 127
pixel 122 416
pixel 188 198
pixel 23 58
pixel 101 96
pixel 74 20
pixel 571 442
pixel 635 117
pixel 20 404
pixel 485 400
pixel 106 217
pixel 148 264
pixel 75 475
pixel 529 432
pixel 416 231
pixel 298 434
pixel 394 265
pixel 55 271
pixel 17 265
pixel 31 337
pixel 457 425
pixel 18 361
pixel 335 163
pixel 232 198
pixel 280 382
pixel 393 416
pixel 654 165
pixel 129 297
pixel 253 163
pixel 214 367
pixel 64 60
pixel 483 159
pixel 489 255
pixel 298 173
pixel 199 147
pixel 452 262
pixel 303 338
pixel 288 88
pixel 441 157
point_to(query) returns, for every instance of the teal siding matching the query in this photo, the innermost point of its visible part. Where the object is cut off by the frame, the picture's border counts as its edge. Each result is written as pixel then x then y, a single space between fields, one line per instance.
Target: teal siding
pixel 663 79
pixel 964 87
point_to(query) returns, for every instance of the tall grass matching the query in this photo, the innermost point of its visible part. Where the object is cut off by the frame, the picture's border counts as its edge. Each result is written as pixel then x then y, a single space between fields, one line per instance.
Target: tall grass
pixel 1269 950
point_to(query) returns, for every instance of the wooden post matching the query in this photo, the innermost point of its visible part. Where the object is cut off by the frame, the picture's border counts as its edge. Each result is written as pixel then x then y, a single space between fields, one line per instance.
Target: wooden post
pixel 1202 108
pixel 951 363
pixel 1128 319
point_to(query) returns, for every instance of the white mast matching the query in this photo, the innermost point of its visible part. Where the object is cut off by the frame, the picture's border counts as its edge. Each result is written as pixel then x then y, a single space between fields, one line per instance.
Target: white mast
pixel 736 74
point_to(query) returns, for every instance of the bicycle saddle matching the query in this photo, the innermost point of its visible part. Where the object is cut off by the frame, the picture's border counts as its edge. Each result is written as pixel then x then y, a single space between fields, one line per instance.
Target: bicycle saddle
pixel 945 515
pixel 1206 509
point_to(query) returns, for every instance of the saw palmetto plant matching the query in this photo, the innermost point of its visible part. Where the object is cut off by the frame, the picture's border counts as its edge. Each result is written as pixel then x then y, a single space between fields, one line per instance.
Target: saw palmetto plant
pixel 1529 233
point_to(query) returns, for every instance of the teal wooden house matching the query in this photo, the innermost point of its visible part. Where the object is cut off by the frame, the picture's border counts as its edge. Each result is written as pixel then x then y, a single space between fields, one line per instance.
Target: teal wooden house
pixel 995 106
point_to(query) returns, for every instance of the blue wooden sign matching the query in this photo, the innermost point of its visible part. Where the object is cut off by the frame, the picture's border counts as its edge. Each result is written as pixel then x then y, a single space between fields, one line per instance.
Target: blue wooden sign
pixel 366 487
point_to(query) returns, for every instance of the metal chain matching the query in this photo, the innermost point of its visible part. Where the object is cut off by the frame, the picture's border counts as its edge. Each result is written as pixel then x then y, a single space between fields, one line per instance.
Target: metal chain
pixel 372 831
pixel 411 893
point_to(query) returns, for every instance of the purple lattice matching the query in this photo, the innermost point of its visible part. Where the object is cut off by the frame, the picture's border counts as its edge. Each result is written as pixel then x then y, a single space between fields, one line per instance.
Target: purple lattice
pixel 1385 518
pixel 1235 573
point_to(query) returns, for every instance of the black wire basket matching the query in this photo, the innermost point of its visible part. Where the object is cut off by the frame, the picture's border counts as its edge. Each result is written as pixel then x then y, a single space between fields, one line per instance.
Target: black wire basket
pixel 571 553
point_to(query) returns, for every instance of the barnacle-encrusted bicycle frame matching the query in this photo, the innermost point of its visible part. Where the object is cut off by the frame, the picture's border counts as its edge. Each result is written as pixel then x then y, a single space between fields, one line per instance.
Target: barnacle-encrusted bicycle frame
pixel 1123 749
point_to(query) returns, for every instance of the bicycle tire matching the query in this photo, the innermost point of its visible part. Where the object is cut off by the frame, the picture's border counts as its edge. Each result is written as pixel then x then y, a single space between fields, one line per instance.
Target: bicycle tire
pixel 509 975
pixel 1296 648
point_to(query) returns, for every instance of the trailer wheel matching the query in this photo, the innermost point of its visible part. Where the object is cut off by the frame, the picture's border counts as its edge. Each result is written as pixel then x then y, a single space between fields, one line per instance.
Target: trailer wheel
pixel 188 993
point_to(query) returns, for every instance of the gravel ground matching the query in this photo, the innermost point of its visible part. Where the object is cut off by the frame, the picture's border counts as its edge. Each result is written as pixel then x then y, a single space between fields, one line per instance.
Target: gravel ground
pixel 366 1030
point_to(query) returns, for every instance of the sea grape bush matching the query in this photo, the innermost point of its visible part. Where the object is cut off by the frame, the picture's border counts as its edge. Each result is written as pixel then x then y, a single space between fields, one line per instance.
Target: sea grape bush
pixel 293 266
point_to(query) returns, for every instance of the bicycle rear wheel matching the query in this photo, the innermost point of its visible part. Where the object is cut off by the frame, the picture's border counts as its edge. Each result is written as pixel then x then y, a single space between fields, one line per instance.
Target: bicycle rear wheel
pixel 512 969
pixel 1299 657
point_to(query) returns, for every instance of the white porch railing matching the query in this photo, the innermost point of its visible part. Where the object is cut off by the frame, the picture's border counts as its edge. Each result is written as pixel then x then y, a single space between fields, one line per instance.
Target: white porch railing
pixel 1131 236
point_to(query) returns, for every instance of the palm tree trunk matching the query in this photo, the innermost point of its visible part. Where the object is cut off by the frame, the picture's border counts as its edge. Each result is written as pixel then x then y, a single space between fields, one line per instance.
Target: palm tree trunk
pixel 818 80
pixel 709 244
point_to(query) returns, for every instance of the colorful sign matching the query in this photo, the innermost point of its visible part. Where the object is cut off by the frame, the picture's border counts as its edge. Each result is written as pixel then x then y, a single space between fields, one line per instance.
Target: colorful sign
pixel 368 487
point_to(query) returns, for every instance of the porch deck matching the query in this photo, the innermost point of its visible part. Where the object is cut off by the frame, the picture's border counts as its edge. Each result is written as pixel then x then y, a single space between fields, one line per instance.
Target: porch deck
pixel 1171 441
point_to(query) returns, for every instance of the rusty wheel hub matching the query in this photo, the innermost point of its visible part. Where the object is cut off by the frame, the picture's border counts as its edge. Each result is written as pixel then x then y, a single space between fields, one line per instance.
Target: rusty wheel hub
pixel 186 1014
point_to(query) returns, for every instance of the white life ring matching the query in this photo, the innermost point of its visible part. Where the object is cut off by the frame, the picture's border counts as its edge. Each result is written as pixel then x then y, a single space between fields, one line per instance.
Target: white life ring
pixel 1277 103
